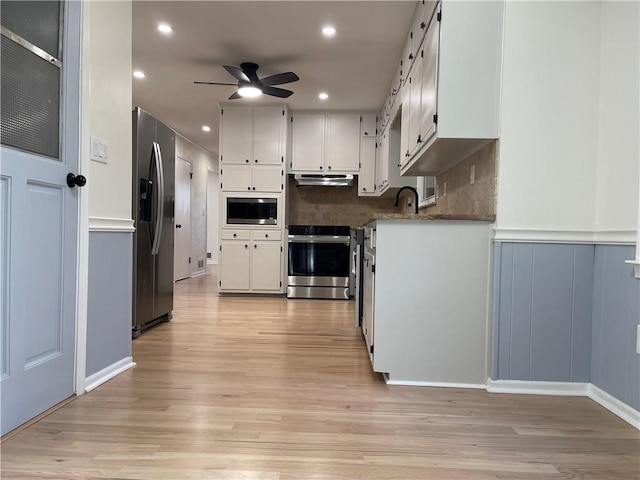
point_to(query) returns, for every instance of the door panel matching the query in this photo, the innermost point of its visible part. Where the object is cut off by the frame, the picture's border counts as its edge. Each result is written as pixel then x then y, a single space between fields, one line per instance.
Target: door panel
pixel 308 142
pixel 236 178
pixel 266 266
pixel 38 246
pixel 343 142
pixel 267 178
pixel 235 133
pixel 182 237
pixel 268 125
pixel 234 265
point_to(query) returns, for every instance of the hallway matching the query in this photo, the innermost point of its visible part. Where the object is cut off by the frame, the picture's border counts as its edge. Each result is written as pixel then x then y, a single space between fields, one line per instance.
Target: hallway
pixel 263 388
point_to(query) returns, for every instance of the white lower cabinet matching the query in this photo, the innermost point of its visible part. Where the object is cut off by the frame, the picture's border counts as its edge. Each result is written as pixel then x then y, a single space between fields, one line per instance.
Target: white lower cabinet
pixel 250 261
pixel 426 301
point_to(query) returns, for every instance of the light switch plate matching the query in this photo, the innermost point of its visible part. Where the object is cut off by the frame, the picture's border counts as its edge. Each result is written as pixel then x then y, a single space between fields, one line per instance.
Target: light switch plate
pixel 99 150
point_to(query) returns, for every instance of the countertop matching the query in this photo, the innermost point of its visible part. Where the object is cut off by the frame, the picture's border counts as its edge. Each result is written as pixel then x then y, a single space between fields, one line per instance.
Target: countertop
pixel 430 216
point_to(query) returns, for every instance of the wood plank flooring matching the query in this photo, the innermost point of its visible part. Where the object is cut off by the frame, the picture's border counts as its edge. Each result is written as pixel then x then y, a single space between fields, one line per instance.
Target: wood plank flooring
pixel 262 388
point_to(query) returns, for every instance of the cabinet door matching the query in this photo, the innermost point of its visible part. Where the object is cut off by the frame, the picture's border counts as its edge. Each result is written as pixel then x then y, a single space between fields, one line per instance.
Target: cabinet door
pixel 268 126
pixel 234 265
pixel 308 133
pixel 383 162
pixel 266 266
pixel 267 178
pixel 368 303
pixel 235 178
pixel 235 135
pixel 429 53
pixel 415 87
pixel 367 175
pixel 368 126
pixel 343 143
pixel 404 127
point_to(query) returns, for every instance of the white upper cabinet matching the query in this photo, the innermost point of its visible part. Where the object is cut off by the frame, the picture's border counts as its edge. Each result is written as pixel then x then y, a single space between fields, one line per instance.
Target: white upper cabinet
pixel 325 143
pixel 343 143
pixel 308 135
pixel 456 72
pixel 367 175
pixel 368 126
pixel 269 123
pixel 235 135
pixel 253 135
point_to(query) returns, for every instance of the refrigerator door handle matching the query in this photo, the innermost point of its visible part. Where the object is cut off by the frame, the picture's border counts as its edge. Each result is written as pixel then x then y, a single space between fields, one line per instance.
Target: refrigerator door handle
pixel 157 158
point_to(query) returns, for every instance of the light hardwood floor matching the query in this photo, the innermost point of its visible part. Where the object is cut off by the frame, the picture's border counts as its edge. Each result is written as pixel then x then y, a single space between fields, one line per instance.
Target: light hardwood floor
pixel 263 388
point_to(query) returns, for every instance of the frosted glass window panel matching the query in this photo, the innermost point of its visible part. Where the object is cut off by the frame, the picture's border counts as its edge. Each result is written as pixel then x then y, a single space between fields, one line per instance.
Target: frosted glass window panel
pixel 36 22
pixel 29 100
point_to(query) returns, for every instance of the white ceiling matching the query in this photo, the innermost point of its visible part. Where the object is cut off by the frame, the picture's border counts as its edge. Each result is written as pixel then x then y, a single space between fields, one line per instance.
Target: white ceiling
pixel 355 67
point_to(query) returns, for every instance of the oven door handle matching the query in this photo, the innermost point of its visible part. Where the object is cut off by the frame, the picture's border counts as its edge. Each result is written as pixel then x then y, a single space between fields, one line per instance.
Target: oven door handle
pixel 319 239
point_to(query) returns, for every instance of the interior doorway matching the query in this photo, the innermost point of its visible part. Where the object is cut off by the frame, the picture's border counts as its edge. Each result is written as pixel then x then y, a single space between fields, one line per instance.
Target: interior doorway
pixel 182 231
pixel 213 192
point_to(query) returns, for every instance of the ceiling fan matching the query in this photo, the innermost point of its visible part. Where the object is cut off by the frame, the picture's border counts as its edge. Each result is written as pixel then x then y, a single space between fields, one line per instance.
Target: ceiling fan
pixel 249 85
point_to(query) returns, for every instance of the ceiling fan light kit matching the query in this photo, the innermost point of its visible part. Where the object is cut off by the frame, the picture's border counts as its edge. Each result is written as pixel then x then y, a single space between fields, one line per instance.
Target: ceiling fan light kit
pixel 249 85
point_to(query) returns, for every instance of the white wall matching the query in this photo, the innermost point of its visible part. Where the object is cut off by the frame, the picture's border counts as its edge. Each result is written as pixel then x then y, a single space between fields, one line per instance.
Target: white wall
pixel 549 118
pixel 202 162
pixel 619 147
pixel 110 109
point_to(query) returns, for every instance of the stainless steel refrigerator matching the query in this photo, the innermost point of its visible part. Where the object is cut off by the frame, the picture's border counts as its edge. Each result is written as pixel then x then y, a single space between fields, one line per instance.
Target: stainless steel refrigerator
pixel 153 209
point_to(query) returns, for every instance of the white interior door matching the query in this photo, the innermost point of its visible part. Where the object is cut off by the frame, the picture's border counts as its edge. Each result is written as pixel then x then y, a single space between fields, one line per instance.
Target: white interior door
pixel 182 238
pixel 38 210
pixel 212 218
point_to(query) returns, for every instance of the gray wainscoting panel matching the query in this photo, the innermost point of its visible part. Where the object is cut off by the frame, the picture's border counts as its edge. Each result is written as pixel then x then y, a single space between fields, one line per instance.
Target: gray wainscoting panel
pixel 109 299
pixel 543 312
pixel 615 365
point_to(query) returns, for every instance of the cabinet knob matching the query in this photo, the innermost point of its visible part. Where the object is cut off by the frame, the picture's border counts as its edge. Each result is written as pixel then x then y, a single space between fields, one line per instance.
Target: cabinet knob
pixel 329 167
pixel 419 139
pixel 247 160
pixel 266 235
pixel 235 235
pixel 364 189
pixel 248 188
pixel 246 246
pixel 253 188
pixel 255 246
pixel 320 167
pixel 256 160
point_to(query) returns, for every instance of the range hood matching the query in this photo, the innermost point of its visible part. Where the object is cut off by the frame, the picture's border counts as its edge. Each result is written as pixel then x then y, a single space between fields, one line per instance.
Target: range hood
pixel 322 180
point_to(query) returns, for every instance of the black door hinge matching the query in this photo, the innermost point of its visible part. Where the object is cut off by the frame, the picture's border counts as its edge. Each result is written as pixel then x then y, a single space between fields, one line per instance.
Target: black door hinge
pixel 373 268
pixel 291 164
pixel 283 113
pixel 439 17
pixel 220 171
pixel 280 247
pixel 281 159
pixel 435 119
pixel 291 119
pixel 280 284
pixel 221 158
pixel 189 259
pixel 421 53
pixel 360 118
pixel 222 112
pixel 371 349
pixel 220 186
pixel 220 283
pixel 220 247
pixel 191 176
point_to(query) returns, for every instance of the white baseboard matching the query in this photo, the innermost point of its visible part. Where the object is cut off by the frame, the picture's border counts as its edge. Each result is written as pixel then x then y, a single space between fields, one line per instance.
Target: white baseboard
pixel 582 389
pixel 198 273
pixel 212 262
pixel 578 389
pixel 106 374
pixel 624 411
pixel 409 383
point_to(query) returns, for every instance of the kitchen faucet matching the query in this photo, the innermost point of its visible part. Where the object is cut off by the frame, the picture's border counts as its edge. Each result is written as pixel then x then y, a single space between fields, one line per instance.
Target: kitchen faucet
pixel 415 193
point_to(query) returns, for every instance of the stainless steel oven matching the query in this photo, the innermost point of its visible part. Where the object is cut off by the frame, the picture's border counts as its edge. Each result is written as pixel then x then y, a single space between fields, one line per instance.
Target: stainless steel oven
pixel 251 210
pixel 319 262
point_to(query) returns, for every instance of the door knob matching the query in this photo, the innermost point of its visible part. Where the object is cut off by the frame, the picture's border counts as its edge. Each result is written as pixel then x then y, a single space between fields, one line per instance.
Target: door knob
pixel 178 225
pixel 76 180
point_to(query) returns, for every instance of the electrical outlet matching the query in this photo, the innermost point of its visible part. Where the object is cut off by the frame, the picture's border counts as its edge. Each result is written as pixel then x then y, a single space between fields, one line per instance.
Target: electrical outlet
pixel 472 180
pixel 638 341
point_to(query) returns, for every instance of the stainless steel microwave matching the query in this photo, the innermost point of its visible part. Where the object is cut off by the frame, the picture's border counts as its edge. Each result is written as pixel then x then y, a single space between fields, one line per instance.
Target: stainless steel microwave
pixel 252 211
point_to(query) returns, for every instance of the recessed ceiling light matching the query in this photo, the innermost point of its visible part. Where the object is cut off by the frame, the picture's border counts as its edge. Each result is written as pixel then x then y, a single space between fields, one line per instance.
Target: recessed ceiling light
pixel 249 92
pixel 206 128
pixel 328 31
pixel 323 96
pixel 139 74
pixel 165 28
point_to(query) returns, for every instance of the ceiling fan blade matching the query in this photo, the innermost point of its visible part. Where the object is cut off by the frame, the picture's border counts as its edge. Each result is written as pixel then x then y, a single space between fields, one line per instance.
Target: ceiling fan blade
pixel 234 96
pixel 215 83
pixel 280 78
pixel 237 73
pixel 276 92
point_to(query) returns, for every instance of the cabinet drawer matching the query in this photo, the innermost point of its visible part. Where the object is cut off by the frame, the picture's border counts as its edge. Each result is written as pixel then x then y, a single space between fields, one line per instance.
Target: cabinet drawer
pixel 265 235
pixel 235 235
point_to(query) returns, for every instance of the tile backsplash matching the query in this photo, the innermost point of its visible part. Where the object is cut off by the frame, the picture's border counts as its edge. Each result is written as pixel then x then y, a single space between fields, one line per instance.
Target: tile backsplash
pixel 462 197
pixel 333 205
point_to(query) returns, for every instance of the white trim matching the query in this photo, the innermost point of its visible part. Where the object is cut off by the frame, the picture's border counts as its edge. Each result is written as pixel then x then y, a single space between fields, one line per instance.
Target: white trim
pixel 106 374
pixel 615 406
pixel 104 224
pixel 211 261
pixel 198 273
pixel 410 383
pixel 82 282
pixel 582 389
pixel 636 266
pixel 609 237
pixel 538 388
